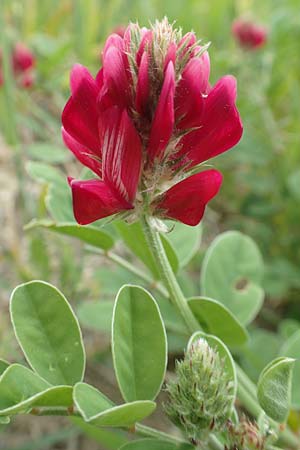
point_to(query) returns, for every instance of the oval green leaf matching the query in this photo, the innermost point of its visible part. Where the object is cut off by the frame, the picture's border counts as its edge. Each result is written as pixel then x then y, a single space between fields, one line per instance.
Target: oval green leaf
pixel 185 240
pixel 232 273
pixel 139 344
pixel 58 202
pixel 48 332
pixel 21 389
pixel 108 439
pixel 274 388
pixel 47 153
pixel 90 401
pixel 216 319
pixel 219 346
pixel 88 234
pixel 45 173
pixel 98 410
pixel 155 444
pixel 3 365
pixel 291 349
pixel 133 236
pixel 58 199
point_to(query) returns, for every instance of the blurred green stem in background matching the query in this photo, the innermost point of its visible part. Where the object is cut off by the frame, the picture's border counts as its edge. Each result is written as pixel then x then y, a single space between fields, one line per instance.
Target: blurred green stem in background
pixel 246 389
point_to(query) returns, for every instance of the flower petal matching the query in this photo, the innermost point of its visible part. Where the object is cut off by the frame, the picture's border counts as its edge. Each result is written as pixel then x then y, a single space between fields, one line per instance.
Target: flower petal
pixel 121 153
pixel 115 77
pixel 113 40
pixel 221 126
pixel 82 153
pixel 163 121
pixel 93 200
pixel 186 200
pixel 142 88
pixel 146 40
pixel 83 86
pixel 80 115
pixel 171 55
pixel 187 41
pixel 189 102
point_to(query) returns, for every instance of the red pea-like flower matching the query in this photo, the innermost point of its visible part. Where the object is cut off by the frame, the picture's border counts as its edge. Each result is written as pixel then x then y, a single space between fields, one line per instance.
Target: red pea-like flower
pixel 144 125
pixel 249 34
pixel 22 64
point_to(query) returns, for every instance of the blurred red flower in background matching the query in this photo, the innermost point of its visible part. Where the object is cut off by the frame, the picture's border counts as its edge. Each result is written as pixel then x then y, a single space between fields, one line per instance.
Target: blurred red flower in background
pixel 145 124
pixel 22 63
pixel 249 34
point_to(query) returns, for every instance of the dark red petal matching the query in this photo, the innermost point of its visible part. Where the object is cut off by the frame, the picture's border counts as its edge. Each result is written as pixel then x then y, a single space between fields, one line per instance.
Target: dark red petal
pixel 80 115
pixel 116 77
pixel 189 102
pixel 205 72
pixel 221 126
pixel 113 40
pixel 171 55
pixel 93 200
pixel 99 79
pixel 127 38
pixel 121 153
pixel 163 121
pixel 188 40
pixel 142 88
pixel 82 83
pixel 81 126
pixel 145 43
pixel 186 200
pixel 82 153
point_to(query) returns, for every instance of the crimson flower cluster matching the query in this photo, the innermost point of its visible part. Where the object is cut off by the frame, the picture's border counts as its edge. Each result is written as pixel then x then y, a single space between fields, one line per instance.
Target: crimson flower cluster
pixel 249 34
pixel 22 63
pixel 145 124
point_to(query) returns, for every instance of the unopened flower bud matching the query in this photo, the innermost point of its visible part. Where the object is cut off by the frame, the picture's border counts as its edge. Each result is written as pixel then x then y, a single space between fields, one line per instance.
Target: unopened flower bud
pixel 201 395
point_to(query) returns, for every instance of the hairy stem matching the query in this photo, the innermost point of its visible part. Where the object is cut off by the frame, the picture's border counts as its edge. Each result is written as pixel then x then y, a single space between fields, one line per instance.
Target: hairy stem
pixel 168 277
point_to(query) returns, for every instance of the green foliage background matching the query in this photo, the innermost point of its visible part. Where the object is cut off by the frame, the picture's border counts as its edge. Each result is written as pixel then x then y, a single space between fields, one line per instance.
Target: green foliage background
pixel 261 190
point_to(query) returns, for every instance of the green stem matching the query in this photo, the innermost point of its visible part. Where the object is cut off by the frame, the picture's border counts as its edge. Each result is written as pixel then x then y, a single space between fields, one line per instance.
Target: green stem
pixel 247 399
pixel 144 430
pixel 131 268
pixel 168 277
pixel 247 390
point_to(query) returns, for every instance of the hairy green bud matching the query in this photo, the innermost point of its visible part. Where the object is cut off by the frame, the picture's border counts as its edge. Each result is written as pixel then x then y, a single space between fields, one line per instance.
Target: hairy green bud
pixel 200 398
